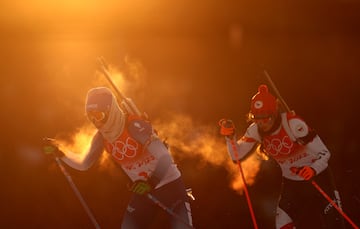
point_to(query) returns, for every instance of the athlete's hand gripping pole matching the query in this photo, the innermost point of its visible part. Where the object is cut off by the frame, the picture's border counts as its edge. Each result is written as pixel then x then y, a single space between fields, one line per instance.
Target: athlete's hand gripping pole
pixel 141 187
pixel 228 128
pixel 51 147
pixel 287 109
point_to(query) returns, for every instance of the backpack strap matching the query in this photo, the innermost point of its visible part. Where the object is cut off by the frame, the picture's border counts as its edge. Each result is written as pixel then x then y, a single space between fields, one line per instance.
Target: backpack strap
pixel 285 123
pixel 141 130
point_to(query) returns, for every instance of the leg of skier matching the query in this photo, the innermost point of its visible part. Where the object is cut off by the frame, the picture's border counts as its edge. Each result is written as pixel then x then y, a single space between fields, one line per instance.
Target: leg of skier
pixel 139 213
pixel 283 220
pixel 142 210
pixel 174 196
pixel 292 204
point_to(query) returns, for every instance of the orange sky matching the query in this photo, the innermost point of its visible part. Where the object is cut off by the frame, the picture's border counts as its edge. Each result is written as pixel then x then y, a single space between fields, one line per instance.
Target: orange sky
pixel 198 60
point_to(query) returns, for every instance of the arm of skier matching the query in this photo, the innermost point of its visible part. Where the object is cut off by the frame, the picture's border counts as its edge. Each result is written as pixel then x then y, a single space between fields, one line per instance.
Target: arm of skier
pixel 93 154
pixel 309 138
pixel 163 164
pixel 239 149
pixel 323 154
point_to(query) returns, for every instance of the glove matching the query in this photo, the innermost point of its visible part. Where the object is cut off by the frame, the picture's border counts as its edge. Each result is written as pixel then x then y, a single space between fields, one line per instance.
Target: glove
pixel 51 148
pixel 306 172
pixel 140 187
pixel 227 127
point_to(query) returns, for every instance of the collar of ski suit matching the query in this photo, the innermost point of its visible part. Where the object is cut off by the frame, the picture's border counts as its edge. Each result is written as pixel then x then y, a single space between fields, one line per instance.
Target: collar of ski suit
pixel 115 123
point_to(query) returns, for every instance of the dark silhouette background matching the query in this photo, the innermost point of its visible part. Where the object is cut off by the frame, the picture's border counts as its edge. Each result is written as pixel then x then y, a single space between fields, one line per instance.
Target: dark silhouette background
pixel 202 58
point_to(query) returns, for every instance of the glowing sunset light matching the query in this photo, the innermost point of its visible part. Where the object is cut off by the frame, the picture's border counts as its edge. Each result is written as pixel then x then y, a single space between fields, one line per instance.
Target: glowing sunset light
pixel 79 144
pixel 192 140
pixel 250 168
pixel 186 137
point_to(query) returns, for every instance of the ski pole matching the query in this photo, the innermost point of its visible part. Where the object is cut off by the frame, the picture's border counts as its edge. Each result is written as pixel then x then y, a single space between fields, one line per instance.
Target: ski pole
pixel 334 204
pixel 168 210
pixel 77 193
pixel 73 186
pixel 245 186
pixel 224 122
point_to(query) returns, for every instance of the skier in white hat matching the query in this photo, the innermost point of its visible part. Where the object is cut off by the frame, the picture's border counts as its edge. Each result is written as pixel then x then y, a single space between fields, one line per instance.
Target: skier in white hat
pixel 134 145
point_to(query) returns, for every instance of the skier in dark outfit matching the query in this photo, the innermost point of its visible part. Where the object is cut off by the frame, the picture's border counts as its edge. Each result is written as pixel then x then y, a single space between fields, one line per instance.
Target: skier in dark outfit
pixel 299 152
pixel 133 144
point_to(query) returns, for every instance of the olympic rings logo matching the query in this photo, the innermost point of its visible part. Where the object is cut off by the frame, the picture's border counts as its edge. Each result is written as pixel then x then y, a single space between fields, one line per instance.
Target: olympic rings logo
pixel 126 149
pixel 277 146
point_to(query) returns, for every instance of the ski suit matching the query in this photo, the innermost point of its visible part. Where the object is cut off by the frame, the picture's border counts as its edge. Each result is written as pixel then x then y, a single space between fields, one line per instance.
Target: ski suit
pixel 141 155
pixel 293 144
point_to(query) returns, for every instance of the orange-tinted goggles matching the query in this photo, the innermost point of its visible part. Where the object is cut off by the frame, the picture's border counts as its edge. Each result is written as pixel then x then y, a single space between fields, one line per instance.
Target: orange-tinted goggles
pixel 96 116
pixel 261 118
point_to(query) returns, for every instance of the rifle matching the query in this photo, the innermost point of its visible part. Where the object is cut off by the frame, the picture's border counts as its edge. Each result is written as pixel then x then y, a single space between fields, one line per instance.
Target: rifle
pixel 124 102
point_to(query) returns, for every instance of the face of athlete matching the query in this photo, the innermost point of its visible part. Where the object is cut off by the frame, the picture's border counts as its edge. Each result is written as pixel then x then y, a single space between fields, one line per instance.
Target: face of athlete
pixel 98 118
pixel 264 122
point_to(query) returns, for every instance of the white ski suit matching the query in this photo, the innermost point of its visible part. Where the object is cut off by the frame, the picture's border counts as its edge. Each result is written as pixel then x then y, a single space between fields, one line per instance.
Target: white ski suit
pixel 293 144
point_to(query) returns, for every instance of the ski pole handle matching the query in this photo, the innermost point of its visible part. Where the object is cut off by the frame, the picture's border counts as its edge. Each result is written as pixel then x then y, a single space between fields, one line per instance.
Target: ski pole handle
pixel 226 123
pixel 227 127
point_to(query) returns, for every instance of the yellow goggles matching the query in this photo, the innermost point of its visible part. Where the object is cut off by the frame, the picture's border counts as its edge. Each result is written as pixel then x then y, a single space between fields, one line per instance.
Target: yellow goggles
pixel 96 116
pixel 261 118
